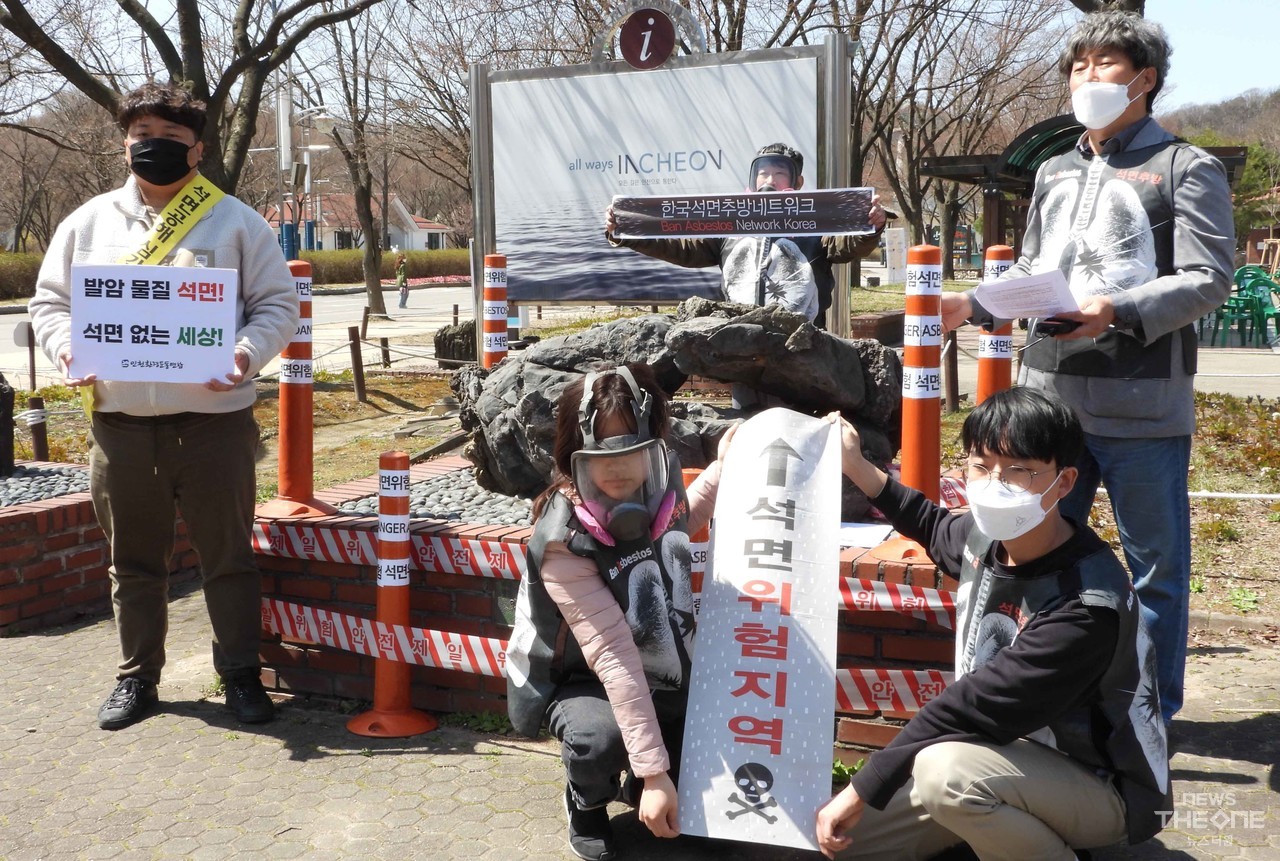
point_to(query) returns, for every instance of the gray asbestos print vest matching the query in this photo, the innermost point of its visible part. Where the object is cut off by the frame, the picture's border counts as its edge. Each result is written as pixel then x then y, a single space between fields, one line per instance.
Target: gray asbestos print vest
pixel 650 580
pixel 1119 729
pixel 1107 224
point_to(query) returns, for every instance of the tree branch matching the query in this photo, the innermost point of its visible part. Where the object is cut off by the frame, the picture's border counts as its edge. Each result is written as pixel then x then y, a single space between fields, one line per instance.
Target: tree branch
pixel 17 21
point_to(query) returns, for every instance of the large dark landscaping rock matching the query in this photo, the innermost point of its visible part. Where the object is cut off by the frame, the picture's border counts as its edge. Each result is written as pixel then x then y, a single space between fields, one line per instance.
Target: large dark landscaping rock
pixel 509 410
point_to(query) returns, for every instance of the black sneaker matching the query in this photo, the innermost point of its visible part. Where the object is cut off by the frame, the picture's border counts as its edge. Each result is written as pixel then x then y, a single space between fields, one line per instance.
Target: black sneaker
pixel 590 835
pixel 131 701
pixel 248 700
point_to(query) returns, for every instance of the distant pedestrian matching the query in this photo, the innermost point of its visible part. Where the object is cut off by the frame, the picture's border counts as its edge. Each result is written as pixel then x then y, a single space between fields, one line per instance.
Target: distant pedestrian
pixel 402 279
pixel 161 446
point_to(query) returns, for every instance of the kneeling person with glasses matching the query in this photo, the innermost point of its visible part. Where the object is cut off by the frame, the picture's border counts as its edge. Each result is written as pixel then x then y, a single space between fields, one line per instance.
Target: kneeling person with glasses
pixel 1050 739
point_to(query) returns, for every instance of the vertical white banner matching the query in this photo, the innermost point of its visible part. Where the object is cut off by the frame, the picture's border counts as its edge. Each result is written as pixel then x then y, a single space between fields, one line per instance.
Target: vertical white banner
pixel 760 724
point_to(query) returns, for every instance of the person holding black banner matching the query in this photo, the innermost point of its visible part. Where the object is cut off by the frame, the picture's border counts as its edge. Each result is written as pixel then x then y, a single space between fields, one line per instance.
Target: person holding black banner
pixel 793 272
pixel 1050 738
pixel 157 446
pixel 600 650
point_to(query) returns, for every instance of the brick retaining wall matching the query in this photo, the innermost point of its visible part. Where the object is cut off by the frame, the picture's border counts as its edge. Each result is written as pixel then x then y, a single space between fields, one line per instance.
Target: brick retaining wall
pixel 53 561
pixel 53 564
pixel 884 639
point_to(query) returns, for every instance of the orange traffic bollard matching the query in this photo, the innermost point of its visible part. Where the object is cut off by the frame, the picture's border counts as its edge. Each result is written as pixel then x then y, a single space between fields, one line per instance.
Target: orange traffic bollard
pixel 921 372
pixel 921 392
pixel 699 545
pixel 495 310
pixel 296 489
pixel 995 347
pixel 392 716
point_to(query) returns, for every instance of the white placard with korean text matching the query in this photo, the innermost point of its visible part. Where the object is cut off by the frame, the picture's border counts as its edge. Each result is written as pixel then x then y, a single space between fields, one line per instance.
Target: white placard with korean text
pixel 760 722
pixel 156 324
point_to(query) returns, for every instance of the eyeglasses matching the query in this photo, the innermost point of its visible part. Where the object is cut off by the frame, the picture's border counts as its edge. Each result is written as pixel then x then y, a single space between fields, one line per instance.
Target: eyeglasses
pixel 1016 478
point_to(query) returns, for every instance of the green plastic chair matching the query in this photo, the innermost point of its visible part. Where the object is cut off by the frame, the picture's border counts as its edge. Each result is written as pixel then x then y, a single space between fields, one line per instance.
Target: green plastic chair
pixel 1236 311
pixel 1248 272
pixel 1264 309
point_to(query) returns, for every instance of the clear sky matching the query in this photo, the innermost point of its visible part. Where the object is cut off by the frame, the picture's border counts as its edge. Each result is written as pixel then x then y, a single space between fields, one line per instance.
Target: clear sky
pixel 1221 48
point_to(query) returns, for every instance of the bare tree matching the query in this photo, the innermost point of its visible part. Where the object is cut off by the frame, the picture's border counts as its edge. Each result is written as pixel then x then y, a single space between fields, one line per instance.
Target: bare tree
pixel 431 95
pixel 357 55
pixel 67 149
pixel 100 51
pixel 973 83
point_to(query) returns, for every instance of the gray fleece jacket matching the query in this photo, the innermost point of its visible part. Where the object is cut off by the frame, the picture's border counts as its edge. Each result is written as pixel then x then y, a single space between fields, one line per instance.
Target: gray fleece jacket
pixel 1148 221
pixel 229 236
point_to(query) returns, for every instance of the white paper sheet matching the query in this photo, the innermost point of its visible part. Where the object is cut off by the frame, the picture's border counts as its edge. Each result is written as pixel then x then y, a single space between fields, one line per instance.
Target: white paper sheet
pixel 863 534
pixel 1041 295
pixel 153 324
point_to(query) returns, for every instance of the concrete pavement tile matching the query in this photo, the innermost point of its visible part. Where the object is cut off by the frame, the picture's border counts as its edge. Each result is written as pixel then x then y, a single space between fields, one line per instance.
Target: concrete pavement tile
pixel 358 831
pixel 403 817
pixel 503 836
pixel 469 832
pixel 300 788
pixel 134 855
pixel 179 847
pixel 184 828
pixel 475 793
pixel 103 851
pixel 472 813
pixel 405 838
pixel 149 834
pixel 361 812
pixel 253 844
pixel 283 850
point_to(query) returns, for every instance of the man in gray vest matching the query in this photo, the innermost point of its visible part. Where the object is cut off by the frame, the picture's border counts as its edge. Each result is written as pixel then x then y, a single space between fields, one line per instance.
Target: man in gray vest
pixel 1140 224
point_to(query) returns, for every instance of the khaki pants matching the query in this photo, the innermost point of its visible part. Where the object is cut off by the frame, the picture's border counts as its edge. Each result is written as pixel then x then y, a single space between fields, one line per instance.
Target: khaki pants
pixel 141 471
pixel 1020 802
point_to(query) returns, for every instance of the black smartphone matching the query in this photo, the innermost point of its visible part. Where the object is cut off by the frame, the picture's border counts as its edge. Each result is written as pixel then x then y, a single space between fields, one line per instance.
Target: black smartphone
pixel 1053 326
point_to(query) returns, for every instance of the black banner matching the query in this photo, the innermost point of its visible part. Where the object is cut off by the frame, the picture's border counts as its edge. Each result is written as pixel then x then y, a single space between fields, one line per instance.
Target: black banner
pixel 770 213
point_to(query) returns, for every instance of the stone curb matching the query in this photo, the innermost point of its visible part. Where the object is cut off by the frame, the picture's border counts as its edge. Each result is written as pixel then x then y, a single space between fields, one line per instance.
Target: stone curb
pixel 1226 621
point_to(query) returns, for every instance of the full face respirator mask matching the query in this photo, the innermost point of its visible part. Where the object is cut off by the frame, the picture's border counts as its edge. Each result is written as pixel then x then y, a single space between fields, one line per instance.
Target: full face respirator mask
pixel 621 480
pixel 778 171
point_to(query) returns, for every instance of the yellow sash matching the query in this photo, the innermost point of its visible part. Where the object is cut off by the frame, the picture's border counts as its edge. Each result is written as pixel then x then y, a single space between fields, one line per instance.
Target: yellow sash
pixel 188 206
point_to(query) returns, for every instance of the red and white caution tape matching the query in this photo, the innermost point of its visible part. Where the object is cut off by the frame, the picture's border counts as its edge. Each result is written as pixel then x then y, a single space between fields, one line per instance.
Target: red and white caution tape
pixel 931 605
pixel 323 544
pixel 448 555
pixel 437 554
pixel 444 649
pixel 857 689
pixel 871 690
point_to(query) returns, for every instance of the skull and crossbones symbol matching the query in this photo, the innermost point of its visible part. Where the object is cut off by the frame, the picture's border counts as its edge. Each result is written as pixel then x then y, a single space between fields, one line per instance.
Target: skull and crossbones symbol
pixel 756 781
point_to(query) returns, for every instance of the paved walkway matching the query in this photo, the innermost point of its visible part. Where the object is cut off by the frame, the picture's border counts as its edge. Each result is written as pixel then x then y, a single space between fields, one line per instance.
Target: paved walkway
pixel 190 782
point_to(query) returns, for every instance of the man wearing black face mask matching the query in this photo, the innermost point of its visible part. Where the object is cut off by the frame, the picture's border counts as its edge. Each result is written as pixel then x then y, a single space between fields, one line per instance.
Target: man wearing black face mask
pixel 157 446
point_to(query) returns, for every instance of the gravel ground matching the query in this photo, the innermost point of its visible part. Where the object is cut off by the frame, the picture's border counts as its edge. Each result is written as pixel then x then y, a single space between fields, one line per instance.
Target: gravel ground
pixel 454 496
pixel 34 483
